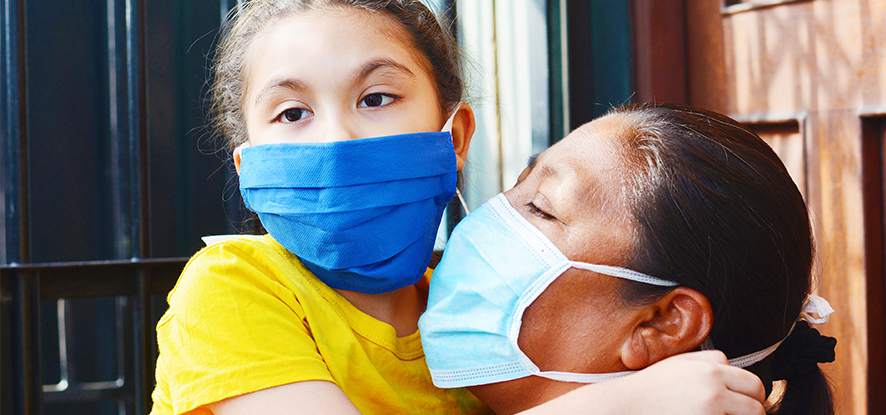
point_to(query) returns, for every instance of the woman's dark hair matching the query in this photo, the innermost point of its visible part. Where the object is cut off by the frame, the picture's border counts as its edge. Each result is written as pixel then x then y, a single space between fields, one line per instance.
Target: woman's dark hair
pixel 717 211
pixel 434 44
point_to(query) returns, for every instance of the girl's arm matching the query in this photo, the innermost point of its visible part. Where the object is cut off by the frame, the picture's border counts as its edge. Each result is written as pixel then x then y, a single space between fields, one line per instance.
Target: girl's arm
pixel 690 383
pixel 312 397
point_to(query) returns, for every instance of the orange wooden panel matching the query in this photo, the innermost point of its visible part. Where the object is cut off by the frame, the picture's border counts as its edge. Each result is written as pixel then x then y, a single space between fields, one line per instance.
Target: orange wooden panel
pixel 786 139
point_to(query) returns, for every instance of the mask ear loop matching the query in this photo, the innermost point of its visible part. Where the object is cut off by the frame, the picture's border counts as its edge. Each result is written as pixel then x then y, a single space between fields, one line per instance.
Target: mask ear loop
pixel 462 200
pixel 448 128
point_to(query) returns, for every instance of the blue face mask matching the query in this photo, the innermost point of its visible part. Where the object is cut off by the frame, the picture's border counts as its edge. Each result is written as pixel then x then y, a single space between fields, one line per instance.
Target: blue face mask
pixel 494 266
pixel 362 214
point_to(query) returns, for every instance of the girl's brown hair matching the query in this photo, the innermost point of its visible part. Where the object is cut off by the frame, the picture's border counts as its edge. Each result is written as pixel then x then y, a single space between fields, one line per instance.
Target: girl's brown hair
pixel 428 37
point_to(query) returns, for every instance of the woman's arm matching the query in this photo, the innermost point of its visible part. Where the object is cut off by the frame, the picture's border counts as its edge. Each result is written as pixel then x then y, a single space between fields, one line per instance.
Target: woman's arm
pixel 690 383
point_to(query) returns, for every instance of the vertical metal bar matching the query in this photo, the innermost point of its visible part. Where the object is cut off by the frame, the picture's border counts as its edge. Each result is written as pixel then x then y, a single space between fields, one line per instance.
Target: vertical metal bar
pixel 558 62
pixel 28 383
pixel 126 356
pixel 140 202
pixel 25 334
pixel 6 355
pixel 15 136
pixel 143 333
pixel 66 365
pixel 138 134
pixel 118 141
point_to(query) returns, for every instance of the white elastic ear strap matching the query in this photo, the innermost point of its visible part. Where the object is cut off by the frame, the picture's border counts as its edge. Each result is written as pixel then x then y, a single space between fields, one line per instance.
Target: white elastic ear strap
pixel 448 125
pixel 583 377
pixel 623 273
pixel 462 200
pixel 813 305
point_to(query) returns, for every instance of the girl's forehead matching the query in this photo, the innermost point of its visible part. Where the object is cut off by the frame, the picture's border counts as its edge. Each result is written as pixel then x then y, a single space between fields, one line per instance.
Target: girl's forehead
pixel 333 34
pixel 369 24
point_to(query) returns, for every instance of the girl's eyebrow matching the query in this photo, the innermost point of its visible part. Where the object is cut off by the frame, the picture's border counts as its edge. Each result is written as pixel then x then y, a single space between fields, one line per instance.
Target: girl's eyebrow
pixel 289 83
pixel 364 72
pixel 381 63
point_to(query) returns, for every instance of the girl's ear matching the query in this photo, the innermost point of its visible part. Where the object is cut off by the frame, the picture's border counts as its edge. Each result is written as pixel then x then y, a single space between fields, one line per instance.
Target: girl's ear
pixel 463 126
pixel 678 322
pixel 238 156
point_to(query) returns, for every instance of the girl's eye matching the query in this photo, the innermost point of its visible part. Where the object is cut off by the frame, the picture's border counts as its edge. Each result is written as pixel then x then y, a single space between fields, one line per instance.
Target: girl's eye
pixel 376 100
pixel 538 212
pixel 292 115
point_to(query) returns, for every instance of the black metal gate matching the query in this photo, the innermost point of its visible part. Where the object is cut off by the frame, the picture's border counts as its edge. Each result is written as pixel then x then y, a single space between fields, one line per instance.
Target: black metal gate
pixel 108 180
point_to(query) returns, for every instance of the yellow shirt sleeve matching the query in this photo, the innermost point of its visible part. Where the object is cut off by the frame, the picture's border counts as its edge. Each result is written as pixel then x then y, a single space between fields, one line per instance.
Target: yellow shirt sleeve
pixel 232 328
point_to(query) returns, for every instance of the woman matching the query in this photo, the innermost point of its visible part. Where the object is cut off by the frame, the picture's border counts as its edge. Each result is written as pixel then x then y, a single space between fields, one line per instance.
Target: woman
pixel 697 218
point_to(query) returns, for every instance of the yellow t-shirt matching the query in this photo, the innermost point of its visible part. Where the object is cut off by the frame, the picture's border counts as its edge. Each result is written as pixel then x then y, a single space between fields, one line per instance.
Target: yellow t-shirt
pixel 246 315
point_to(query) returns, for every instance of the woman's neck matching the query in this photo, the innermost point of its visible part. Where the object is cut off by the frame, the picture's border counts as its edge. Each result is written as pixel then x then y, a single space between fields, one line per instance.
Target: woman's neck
pixel 400 308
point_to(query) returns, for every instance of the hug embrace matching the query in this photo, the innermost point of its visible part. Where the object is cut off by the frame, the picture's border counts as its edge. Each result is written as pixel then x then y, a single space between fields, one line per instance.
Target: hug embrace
pixel 641 238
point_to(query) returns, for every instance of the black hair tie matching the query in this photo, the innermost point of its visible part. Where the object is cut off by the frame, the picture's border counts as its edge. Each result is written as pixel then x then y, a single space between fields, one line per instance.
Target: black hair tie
pixel 801 352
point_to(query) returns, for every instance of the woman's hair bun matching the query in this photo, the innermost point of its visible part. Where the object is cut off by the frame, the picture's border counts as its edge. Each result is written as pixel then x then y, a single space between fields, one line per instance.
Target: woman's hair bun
pixel 801 352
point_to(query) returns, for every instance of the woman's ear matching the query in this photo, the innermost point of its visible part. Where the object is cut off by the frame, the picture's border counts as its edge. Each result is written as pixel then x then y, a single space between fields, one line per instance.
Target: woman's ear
pixel 676 323
pixel 463 126
pixel 238 156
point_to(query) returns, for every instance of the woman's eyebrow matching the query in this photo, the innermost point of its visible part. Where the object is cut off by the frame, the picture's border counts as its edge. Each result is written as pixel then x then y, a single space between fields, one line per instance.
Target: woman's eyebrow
pixel 546 169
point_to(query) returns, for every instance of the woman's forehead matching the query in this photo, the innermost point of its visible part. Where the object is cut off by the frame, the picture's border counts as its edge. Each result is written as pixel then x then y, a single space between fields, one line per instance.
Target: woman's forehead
pixel 592 146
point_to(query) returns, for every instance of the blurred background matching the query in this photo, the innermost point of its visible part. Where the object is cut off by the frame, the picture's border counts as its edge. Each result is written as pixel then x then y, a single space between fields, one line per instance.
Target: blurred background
pixel 108 177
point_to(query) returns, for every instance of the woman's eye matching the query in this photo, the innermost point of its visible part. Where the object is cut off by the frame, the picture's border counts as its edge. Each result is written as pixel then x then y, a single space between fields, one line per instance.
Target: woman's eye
pixel 538 212
pixel 292 115
pixel 376 100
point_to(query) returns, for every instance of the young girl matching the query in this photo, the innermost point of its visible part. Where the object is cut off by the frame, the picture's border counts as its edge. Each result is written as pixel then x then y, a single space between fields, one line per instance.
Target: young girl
pixel 320 315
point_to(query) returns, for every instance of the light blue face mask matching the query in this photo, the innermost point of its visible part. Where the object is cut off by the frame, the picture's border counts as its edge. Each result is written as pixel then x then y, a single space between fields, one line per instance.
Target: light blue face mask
pixel 363 214
pixel 494 266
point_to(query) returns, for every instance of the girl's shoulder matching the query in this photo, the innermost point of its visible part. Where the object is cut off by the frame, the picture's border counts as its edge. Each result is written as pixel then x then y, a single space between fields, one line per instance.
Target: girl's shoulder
pixel 210 240
pixel 261 248
pixel 243 261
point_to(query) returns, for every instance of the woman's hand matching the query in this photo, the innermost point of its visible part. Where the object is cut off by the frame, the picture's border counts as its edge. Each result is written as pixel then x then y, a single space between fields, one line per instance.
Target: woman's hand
pixel 685 384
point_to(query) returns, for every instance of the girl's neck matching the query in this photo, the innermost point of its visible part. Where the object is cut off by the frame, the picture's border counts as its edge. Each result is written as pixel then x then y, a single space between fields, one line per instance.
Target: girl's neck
pixel 400 308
